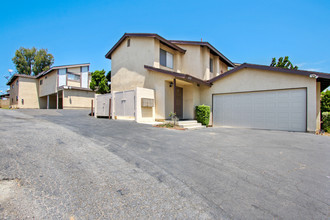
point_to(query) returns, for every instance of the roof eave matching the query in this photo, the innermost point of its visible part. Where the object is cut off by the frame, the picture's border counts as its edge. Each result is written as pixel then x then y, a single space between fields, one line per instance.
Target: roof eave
pixel 318 75
pixel 183 76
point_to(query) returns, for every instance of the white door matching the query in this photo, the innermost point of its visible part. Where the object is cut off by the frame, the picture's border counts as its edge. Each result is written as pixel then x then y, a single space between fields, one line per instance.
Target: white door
pixel 275 110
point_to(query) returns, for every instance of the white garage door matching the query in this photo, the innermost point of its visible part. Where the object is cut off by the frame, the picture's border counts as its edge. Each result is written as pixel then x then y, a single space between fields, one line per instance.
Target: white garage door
pixel 276 110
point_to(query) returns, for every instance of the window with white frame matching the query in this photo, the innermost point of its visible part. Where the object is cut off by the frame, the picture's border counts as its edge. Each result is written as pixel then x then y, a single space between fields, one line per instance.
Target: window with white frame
pixel 211 65
pixel 166 59
pixel 73 77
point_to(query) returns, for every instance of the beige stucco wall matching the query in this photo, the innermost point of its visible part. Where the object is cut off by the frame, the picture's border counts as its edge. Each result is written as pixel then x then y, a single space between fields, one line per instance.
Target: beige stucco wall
pixel 144 114
pixel 13 93
pixel 252 80
pixel 77 99
pixel 196 62
pixel 28 90
pixel 128 72
pixel 74 70
pixel 157 82
pixel 49 85
pixel 127 63
pixel 191 98
pixel 73 83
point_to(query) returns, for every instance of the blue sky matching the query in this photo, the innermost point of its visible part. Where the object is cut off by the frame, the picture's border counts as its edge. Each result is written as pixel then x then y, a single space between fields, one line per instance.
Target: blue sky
pixel 244 31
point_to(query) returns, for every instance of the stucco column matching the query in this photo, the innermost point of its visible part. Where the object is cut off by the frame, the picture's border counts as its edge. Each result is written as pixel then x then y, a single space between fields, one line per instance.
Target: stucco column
pixel 48 102
pixel 318 106
pixel 63 99
pixel 174 87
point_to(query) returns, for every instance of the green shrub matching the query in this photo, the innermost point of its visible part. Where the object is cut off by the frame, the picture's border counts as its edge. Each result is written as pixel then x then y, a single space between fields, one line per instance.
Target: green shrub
pixel 325 101
pixel 203 114
pixel 326 121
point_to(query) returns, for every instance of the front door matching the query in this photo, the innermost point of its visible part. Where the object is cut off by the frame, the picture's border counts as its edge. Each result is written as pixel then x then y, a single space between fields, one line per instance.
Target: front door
pixel 178 107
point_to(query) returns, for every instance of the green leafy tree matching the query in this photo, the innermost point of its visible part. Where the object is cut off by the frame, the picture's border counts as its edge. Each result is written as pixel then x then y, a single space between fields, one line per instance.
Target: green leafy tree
pixel 32 61
pixel 283 63
pixel 99 82
pixel 325 101
pixel 42 61
pixel 108 76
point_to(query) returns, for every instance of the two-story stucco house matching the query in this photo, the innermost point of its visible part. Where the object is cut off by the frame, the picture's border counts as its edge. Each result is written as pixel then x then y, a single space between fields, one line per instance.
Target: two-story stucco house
pixel 60 87
pixel 184 74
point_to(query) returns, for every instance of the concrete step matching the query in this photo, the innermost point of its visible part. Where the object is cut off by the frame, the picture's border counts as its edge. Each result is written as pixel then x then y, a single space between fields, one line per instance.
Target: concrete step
pixel 189 125
pixel 187 122
pixel 195 127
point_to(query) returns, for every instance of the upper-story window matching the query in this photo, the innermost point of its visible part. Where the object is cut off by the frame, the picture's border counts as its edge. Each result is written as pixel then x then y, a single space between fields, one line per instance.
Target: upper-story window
pixel 211 65
pixel 17 82
pixel 166 59
pixel 12 86
pixel 41 81
pixel 73 77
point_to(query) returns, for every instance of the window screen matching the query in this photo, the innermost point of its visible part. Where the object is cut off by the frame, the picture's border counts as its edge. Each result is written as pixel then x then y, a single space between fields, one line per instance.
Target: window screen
pixel 162 57
pixel 169 60
pixel 166 59
pixel 211 65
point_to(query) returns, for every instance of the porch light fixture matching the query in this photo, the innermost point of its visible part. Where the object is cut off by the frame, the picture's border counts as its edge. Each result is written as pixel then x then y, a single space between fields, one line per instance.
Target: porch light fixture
pixel 171 84
pixel 314 76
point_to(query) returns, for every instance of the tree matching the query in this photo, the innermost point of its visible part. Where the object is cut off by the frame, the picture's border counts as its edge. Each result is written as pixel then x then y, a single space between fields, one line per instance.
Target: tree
pixel 42 61
pixel 325 101
pixel 99 82
pixel 28 61
pixel 108 76
pixel 283 63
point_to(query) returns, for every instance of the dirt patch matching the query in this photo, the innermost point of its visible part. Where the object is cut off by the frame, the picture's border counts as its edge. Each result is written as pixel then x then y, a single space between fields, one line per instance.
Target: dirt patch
pixel 325 134
pixel 169 126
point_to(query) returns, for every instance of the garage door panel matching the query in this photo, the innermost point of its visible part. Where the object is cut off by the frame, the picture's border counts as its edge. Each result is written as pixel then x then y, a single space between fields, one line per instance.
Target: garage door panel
pixel 277 110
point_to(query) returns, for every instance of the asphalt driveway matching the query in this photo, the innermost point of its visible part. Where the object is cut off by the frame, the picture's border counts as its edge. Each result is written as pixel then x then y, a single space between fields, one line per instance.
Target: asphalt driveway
pixel 64 164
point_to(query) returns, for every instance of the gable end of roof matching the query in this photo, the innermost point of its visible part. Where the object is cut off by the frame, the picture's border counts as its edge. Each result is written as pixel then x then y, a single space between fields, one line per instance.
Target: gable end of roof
pixel 156 36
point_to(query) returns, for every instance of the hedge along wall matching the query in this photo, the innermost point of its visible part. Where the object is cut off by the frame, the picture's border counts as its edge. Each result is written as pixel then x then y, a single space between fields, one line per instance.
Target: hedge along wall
pixel 203 114
pixel 326 121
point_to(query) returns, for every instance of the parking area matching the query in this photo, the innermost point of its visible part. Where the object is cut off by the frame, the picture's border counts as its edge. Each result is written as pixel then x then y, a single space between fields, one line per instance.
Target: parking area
pixel 70 165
